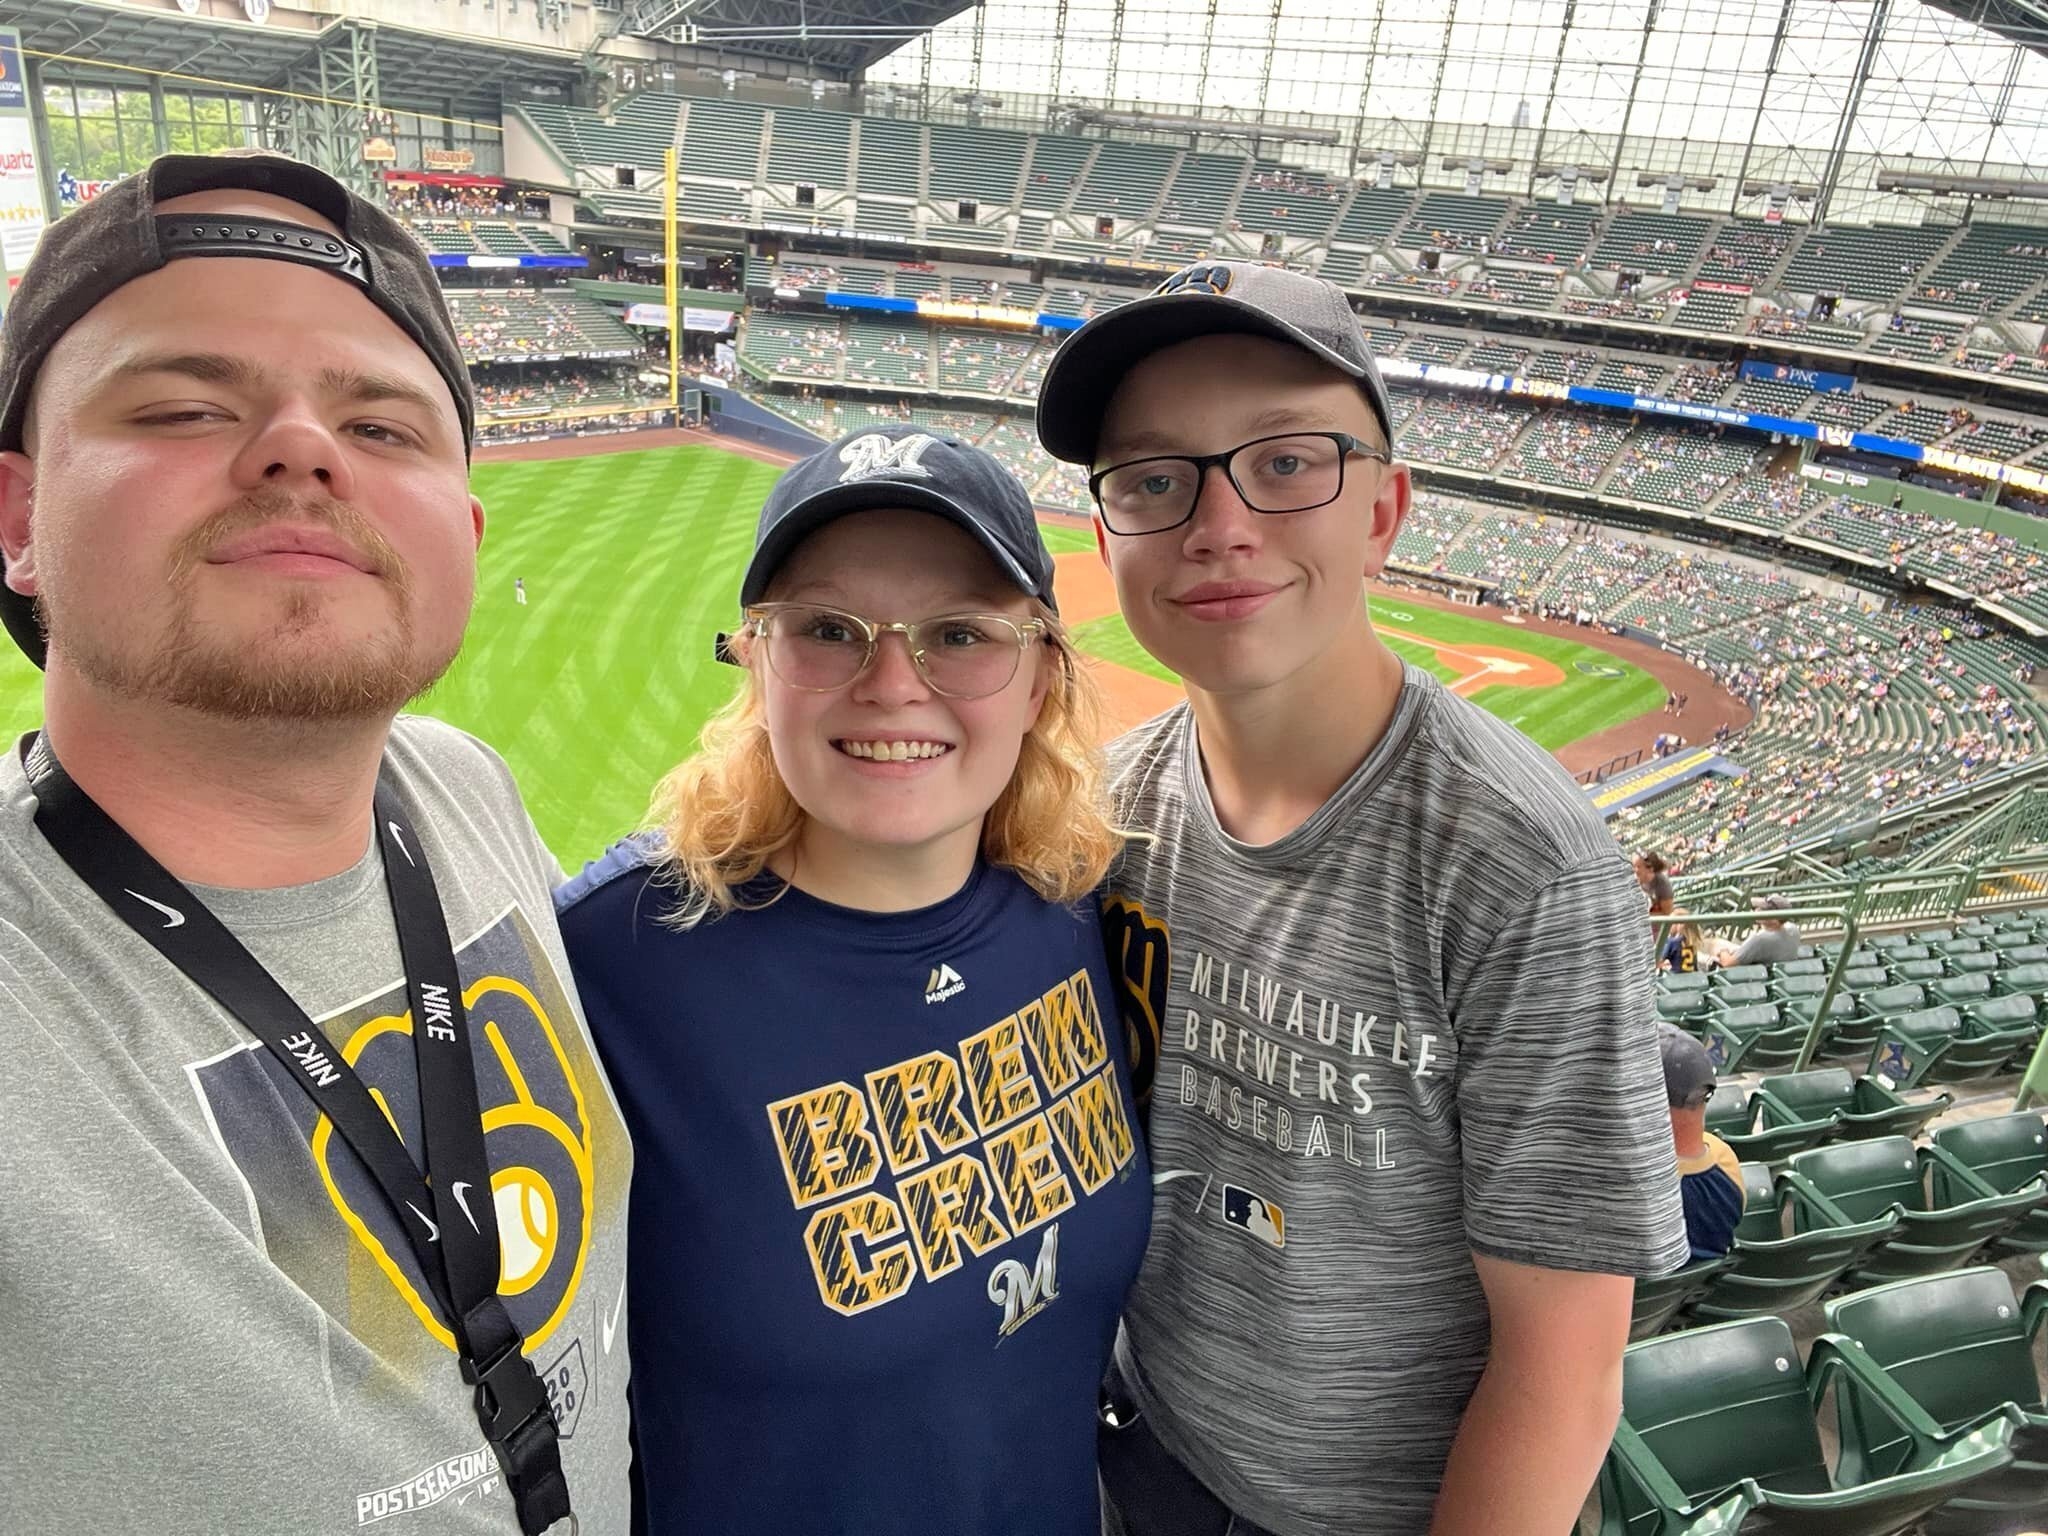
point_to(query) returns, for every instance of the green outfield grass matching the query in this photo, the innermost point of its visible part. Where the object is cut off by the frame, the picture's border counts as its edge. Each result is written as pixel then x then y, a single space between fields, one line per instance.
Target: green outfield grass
pixel 632 563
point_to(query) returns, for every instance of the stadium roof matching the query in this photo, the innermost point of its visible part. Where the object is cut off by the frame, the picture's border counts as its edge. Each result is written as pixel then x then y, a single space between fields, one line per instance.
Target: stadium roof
pixel 2023 21
pixel 417 69
pixel 842 36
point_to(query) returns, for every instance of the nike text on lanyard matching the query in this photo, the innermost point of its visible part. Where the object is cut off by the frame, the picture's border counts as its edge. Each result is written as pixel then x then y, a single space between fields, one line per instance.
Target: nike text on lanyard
pixel 455 1238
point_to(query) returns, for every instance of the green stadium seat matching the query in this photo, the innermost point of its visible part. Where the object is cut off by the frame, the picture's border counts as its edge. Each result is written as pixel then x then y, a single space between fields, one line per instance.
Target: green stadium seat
pixel 1739 994
pixel 1740 976
pixel 1729 1112
pixel 1814 966
pixel 1978 929
pixel 1960 991
pixel 1948 949
pixel 1863 959
pixel 1718 1434
pixel 1856 1180
pixel 2031 978
pixel 1919 970
pixel 1798 988
pixel 1860 1108
pixel 1658 1302
pixel 1979 963
pixel 1734 1036
pixel 1890 941
pixel 2024 951
pixel 1960 1349
pixel 1865 978
pixel 2015 1013
pixel 1939 1045
pixel 1684 981
pixel 2008 1152
pixel 1681 1007
pixel 1769 1271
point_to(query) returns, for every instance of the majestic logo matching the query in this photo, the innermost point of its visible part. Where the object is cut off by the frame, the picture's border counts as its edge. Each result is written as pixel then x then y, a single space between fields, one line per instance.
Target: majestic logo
pixel 944 982
pixel 1254 1214
pixel 1203 277
pixel 1140 960
pixel 173 918
pixel 873 455
pixel 1024 1293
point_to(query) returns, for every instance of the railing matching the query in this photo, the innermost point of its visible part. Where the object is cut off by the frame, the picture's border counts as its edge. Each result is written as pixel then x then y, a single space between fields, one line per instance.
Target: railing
pixel 1621 760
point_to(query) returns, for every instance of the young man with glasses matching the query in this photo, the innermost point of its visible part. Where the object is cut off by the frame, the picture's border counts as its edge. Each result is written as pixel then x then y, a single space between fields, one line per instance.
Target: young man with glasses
pixel 1408 1139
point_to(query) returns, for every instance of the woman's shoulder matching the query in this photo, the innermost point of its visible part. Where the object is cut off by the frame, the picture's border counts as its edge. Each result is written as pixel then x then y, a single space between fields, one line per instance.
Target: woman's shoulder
pixel 621 874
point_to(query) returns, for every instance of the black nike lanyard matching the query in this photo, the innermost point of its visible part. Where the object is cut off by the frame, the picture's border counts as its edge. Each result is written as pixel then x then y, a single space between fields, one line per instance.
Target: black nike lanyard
pixel 447 1211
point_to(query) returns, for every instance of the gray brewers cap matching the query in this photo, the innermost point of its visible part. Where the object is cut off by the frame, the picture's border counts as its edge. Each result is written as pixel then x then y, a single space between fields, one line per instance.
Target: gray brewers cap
pixel 903 467
pixel 1688 1070
pixel 1206 299
pixel 119 236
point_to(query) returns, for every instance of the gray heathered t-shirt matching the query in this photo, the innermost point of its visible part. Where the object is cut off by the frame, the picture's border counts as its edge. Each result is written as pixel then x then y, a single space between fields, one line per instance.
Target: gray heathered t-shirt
pixel 209 1323
pixel 1417 1026
pixel 1770 946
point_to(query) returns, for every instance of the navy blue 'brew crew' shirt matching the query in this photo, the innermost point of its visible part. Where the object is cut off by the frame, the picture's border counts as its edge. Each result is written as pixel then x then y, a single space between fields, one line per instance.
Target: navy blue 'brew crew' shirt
pixel 890 1189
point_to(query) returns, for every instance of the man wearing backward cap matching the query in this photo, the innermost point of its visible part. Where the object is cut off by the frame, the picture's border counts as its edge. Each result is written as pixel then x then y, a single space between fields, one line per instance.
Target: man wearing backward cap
pixel 315 1193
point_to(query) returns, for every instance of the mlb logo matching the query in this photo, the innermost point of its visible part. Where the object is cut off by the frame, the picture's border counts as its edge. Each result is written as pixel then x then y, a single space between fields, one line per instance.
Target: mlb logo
pixel 1255 1214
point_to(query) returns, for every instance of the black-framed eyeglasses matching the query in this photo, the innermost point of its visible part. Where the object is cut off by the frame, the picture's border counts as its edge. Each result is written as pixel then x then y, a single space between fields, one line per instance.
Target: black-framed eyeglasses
pixel 1294 472
pixel 816 649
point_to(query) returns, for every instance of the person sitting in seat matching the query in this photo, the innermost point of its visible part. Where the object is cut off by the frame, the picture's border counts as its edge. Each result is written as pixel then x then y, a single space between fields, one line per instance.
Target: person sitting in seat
pixel 1709 1173
pixel 1775 941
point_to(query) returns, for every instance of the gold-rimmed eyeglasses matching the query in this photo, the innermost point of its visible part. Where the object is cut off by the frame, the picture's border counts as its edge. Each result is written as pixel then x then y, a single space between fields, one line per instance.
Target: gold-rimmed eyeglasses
pixel 816 649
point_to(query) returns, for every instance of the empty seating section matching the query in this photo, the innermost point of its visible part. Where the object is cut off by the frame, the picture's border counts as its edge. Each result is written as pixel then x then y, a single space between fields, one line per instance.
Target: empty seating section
pixel 1861 263
pixel 1680 469
pixel 1632 375
pixel 1126 180
pixel 722 138
pixel 1664 243
pixel 1770 396
pixel 2007 441
pixel 1345 268
pixel 891 157
pixel 979 164
pixel 1032 232
pixel 1988 269
pixel 1288 201
pixel 1745 252
pixel 1453 220
pixel 637 134
pixel 809 147
pixel 1374 215
pixel 1568 448
pixel 1844 409
pixel 886 220
pixel 1704 310
pixel 878 352
pixel 1549 231
pixel 1199 197
pixel 1056 164
pixel 794 346
pixel 704 203
pixel 1497 357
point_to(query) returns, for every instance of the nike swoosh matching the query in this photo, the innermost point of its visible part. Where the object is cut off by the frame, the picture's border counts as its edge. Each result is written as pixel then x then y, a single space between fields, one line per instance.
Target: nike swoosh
pixel 173 917
pixel 611 1323
pixel 433 1227
pixel 457 1190
pixel 398 837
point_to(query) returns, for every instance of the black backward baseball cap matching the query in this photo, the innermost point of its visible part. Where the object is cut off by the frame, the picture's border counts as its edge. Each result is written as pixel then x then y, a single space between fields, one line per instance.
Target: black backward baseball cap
pixel 119 236
pixel 1206 298
pixel 909 467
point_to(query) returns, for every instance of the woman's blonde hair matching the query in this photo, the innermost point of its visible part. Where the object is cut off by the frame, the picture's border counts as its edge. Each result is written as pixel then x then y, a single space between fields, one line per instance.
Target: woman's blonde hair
pixel 725 811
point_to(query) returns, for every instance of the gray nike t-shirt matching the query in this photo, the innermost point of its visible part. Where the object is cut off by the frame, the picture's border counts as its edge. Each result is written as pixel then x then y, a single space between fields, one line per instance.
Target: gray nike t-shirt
pixel 209 1322
pixel 1417 1026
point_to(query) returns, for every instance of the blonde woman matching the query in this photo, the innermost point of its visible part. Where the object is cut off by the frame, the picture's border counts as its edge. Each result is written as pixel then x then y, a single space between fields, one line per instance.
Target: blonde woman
pixel 890 1186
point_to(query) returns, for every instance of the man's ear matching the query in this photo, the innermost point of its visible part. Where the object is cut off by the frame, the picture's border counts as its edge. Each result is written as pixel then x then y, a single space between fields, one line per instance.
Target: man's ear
pixel 17 507
pixel 1101 538
pixel 1390 504
pixel 476 517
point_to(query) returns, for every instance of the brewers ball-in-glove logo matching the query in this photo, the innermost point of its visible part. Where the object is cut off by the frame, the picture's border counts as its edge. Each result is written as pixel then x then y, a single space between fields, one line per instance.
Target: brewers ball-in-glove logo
pixel 1140 959
pixel 537 1136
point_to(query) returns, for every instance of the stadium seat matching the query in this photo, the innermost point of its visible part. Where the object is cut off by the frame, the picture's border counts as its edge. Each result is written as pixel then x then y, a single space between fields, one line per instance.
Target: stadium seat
pixel 2016 1013
pixel 1814 966
pixel 1978 929
pixel 1857 1180
pixel 1919 970
pixel 1718 1426
pixel 1948 949
pixel 1890 941
pixel 1658 1302
pixel 1960 991
pixel 1740 976
pixel 1729 1111
pixel 1752 1038
pixel 1799 988
pixel 2028 953
pixel 1739 994
pixel 2008 1152
pixel 1959 1348
pixel 1681 1007
pixel 1865 978
pixel 2031 978
pixel 1771 1272
pixel 1939 1045
pixel 1976 963
pixel 1860 1108
pixel 1684 981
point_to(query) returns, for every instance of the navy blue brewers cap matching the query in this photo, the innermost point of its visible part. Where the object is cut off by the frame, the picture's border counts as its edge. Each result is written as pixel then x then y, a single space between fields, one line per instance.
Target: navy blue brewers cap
pixel 1205 299
pixel 903 467
pixel 119 236
pixel 1688 1069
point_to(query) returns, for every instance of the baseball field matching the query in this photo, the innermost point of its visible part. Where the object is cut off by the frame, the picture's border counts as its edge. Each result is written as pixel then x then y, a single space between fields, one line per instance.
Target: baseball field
pixel 631 563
